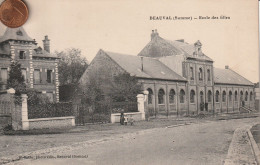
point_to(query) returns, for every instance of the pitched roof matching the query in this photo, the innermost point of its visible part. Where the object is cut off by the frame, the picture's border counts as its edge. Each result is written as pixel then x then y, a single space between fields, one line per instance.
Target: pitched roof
pixel 159 47
pixel 228 76
pixel 15 34
pixel 152 68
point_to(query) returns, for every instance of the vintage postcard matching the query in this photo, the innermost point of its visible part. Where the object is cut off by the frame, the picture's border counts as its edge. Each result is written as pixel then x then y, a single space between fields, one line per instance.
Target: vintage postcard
pixel 133 82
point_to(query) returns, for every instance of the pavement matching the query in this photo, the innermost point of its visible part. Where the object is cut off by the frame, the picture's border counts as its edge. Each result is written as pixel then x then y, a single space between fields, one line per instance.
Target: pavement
pixel 196 143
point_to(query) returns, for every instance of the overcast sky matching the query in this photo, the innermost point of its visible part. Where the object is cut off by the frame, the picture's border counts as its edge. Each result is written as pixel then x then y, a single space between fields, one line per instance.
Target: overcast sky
pixel 124 27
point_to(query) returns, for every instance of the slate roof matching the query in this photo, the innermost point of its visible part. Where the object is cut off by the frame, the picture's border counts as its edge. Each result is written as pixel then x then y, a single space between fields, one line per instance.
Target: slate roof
pixel 15 34
pixel 20 34
pixel 159 47
pixel 152 68
pixel 228 76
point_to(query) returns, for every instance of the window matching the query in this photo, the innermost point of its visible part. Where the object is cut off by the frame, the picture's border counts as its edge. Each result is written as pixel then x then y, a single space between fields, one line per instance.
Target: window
pixel 217 96
pixel 191 73
pixel 161 94
pixel 37 77
pixel 209 96
pixel 192 96
pixel 251 96
pixel 241 96
pixel 230 96
pixel 171 96
pixel 200 74
pixel 246 96
pixel 224 96
pixel 182 95
pixel 50 96
pixel 150 96
pixel 208 73
pixel 24 73
pixel 22 55
pixel 235 95
pixel 4 75
pixel 201 97
pixel 49 76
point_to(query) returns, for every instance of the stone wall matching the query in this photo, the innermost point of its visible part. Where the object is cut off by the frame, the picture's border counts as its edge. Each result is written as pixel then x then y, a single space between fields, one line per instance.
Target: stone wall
pixel 55 122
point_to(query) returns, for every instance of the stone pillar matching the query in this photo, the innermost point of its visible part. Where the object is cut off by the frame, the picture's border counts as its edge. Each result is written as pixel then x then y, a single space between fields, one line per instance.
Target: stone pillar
pixel 141 103
pixel 11 93
pixel 57 83
pixel 25 121
pixel 31 68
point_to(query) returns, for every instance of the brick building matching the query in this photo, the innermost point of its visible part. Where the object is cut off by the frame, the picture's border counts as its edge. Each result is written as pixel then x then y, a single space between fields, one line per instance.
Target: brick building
pixel 39 67
pixel 179 77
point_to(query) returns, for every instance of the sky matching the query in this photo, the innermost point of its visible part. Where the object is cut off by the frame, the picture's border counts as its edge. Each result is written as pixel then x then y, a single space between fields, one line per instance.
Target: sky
pixel 125 27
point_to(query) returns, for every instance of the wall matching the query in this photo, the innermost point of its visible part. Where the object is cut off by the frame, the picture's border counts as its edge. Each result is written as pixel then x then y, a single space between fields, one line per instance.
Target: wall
pixel 115 118
pixel 232 105
pixel 55 122
pixel 166 86
pixel 102 69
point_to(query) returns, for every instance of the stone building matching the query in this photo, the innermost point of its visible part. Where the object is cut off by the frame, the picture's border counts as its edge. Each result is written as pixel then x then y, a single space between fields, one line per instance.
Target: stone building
pixel 180 78
pixel 39 67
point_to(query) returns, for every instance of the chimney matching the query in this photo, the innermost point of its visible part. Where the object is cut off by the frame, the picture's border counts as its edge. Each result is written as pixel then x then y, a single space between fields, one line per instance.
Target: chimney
pixel 46 44
pixel 154 34
pixel 226 67
pixel 142 63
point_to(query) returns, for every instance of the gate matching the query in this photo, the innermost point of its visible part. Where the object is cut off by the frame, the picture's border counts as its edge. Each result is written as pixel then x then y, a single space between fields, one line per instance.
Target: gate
pixel 5 113
pixel 101 112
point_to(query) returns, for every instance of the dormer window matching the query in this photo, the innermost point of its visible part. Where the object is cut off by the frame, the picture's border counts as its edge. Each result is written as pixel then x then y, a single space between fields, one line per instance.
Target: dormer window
pixel 19 33
pixel 22 55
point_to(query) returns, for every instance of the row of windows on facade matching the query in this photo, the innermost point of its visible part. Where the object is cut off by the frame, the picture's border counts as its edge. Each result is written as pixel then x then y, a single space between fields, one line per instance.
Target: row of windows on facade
pixel 37 75
pixel 161 96
pixel 200 74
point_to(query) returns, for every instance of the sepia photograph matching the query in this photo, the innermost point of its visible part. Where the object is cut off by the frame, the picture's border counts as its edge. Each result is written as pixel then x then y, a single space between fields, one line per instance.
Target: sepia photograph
pixel 135 82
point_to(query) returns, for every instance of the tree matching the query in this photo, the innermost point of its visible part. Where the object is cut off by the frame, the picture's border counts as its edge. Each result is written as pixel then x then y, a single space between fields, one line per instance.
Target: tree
pixel 16 79
pixel 124 87
pixel 71 66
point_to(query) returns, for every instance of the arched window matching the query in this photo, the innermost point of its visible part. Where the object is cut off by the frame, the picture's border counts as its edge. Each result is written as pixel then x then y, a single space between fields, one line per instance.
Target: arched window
pixel 208 73
pixel 161 94
pixel 201 97
pixel 171 96
pixel 246 96
pixel 251 96
pixel 235 95
pixel 241 96
pixel 209 96
pixel 217 96
pixel 182 96
pixel 150 96
pixel 230 96
pixel 200 74
pixel 192 96
pixel 191 73
pixel 224 96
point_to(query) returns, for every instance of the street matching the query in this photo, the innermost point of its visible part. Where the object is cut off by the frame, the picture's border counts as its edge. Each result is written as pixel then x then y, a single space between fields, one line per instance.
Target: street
pixel 202 143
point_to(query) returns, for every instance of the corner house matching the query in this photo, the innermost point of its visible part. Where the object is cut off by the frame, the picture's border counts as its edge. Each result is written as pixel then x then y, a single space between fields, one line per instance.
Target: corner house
pixel 180 78
pixel 39 66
